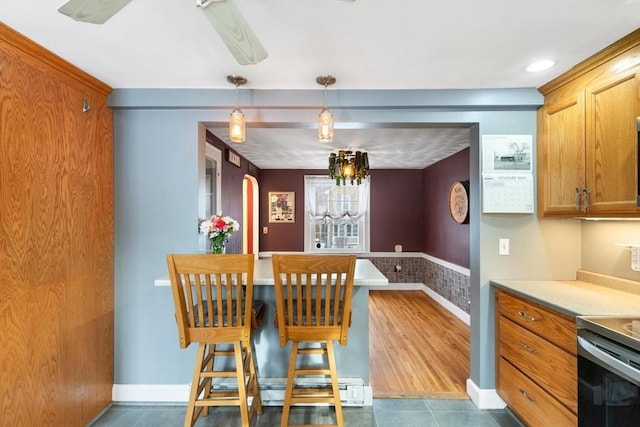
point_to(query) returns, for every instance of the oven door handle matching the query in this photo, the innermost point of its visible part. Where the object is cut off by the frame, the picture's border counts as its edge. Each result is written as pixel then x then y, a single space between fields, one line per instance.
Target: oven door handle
pixel 608 362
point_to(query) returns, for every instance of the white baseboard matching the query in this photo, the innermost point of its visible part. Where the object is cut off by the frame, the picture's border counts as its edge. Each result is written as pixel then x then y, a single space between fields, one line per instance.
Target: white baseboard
pixel 150 393
pixel 453 309
pixel 484 398
pixel 353 392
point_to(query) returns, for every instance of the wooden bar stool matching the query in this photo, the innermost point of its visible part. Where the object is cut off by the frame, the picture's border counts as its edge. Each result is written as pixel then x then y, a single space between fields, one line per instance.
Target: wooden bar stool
pixel 213 296
pixel 313 309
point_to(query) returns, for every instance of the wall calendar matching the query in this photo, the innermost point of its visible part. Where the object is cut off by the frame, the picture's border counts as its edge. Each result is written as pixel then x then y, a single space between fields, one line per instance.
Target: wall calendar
pixel 507 178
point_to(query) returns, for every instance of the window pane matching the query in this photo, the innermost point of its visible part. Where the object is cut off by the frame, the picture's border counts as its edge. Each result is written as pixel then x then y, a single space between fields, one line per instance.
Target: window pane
pixel 336 215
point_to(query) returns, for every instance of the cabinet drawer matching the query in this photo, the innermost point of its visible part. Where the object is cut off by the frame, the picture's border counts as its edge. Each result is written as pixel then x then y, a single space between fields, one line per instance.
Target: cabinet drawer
pixel 551 368
pixel 552 326
pixel 531 403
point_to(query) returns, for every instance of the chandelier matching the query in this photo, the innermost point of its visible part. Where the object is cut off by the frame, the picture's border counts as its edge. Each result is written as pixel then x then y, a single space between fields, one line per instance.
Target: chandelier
pixel 348 164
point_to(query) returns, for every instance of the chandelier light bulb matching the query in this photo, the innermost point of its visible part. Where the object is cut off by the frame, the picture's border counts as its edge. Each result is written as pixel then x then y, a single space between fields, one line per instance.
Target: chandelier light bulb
pixel 348 170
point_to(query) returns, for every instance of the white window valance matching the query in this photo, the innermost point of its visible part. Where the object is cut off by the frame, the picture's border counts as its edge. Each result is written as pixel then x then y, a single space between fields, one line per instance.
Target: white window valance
pixel 325 202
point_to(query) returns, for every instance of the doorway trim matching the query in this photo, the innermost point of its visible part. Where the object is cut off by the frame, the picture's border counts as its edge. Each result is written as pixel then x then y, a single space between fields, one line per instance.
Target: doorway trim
pixel 250 216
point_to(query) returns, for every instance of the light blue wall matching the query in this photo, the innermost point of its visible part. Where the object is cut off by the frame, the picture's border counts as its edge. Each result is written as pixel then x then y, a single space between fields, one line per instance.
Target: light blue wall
pixel 156 213
pixel 156 205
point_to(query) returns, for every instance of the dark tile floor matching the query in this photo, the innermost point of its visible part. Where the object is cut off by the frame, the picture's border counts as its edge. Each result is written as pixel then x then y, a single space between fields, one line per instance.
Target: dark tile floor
pixel 383 413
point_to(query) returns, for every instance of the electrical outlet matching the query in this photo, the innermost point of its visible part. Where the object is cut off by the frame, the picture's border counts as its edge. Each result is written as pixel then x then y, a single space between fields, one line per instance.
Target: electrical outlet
pixel 503 246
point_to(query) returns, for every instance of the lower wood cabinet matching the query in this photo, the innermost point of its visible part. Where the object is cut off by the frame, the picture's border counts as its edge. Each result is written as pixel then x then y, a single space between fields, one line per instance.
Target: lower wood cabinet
pixel 536 367
pixel 533 405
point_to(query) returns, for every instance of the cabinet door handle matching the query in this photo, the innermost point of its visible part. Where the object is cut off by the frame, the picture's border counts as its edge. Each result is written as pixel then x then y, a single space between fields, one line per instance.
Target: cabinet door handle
pixel 529 398
pixel 526 316
pixel 578 194
pixel 586 193
pixel 528 348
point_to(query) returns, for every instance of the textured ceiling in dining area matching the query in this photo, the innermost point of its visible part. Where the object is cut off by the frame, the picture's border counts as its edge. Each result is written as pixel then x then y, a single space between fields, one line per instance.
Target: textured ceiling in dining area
pixel 390 148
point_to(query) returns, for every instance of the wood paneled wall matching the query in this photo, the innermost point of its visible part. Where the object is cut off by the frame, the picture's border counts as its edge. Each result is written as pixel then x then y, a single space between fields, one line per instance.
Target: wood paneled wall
pixel 56 239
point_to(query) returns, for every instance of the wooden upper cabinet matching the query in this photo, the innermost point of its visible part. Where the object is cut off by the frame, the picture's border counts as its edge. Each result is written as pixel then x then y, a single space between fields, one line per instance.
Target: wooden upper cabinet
pixel 588 136
pixel 562 160
pixel 612 142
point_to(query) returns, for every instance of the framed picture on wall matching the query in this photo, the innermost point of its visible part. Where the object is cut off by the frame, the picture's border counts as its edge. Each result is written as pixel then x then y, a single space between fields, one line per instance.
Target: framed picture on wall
pixel 282 206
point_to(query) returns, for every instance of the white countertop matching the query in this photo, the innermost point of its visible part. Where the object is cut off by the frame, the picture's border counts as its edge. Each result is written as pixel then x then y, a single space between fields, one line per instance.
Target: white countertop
pixel 366 274
pixel 575 297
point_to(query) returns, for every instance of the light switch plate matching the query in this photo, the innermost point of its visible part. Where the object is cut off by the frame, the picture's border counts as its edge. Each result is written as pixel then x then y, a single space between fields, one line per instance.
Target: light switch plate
pixel 503 246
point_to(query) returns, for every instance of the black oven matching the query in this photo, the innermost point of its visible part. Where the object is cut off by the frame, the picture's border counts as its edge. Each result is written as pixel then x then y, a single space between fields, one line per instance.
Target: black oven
pixel 608 372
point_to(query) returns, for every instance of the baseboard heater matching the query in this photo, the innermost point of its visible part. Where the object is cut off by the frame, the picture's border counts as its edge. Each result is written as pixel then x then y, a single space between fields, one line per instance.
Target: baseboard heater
pixel 352 390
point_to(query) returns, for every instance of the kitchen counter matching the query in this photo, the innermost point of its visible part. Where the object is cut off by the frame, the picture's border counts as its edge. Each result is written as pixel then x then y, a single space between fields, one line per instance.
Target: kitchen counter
pixel 576 297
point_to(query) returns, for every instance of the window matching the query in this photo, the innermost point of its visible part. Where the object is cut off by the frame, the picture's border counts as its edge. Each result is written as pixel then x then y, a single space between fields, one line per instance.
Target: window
pixel 336 217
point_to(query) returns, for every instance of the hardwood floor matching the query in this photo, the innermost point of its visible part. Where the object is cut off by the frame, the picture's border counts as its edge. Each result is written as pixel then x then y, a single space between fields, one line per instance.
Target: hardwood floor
pixel 416 347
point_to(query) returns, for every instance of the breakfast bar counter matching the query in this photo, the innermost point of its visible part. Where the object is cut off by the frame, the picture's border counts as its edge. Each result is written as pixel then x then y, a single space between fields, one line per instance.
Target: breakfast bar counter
pixel 366 273
pixel 352 360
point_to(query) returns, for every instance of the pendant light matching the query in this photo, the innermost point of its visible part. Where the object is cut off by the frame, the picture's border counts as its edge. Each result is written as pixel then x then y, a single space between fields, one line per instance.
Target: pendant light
pixel 236 120
pixel 325 119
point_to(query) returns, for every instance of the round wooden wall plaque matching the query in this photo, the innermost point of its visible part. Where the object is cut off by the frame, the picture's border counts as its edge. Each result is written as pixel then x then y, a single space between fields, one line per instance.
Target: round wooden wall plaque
pixel 459 202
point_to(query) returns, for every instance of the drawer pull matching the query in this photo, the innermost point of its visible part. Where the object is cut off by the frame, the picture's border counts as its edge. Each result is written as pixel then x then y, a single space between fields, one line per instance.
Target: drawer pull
pixel 529 398
pixel 528 348
pixel 526 316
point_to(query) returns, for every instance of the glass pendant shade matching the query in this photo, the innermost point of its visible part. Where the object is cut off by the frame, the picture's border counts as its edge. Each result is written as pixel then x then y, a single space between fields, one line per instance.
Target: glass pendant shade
pixel 236 120
pixel 236 126
pixel 325 126
pixel 325 119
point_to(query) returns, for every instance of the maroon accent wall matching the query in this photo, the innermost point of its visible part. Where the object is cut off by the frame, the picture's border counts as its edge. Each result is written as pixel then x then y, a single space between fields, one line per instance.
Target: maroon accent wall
pixel 443 237
pixel 395 200
pixel 396 210
pixel 283 237
pixel 232 178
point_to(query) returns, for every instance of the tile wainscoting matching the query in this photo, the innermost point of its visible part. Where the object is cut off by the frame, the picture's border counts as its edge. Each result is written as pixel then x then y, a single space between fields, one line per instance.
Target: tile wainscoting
pixel 448 280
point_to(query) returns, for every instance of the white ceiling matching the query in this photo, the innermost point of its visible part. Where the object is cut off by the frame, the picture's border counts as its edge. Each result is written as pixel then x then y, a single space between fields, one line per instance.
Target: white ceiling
pixel 366 44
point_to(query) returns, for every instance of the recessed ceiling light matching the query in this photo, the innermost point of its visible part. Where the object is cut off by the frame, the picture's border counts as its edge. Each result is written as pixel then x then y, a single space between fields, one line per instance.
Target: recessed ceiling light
pixel 540 66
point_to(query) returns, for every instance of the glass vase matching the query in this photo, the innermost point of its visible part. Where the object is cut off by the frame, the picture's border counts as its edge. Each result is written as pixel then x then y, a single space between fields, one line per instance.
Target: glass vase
pixel 217 249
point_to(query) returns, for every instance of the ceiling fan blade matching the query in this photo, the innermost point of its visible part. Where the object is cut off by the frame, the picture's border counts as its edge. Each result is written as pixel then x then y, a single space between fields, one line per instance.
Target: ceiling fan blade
pixel 235 32
pixel 92 11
